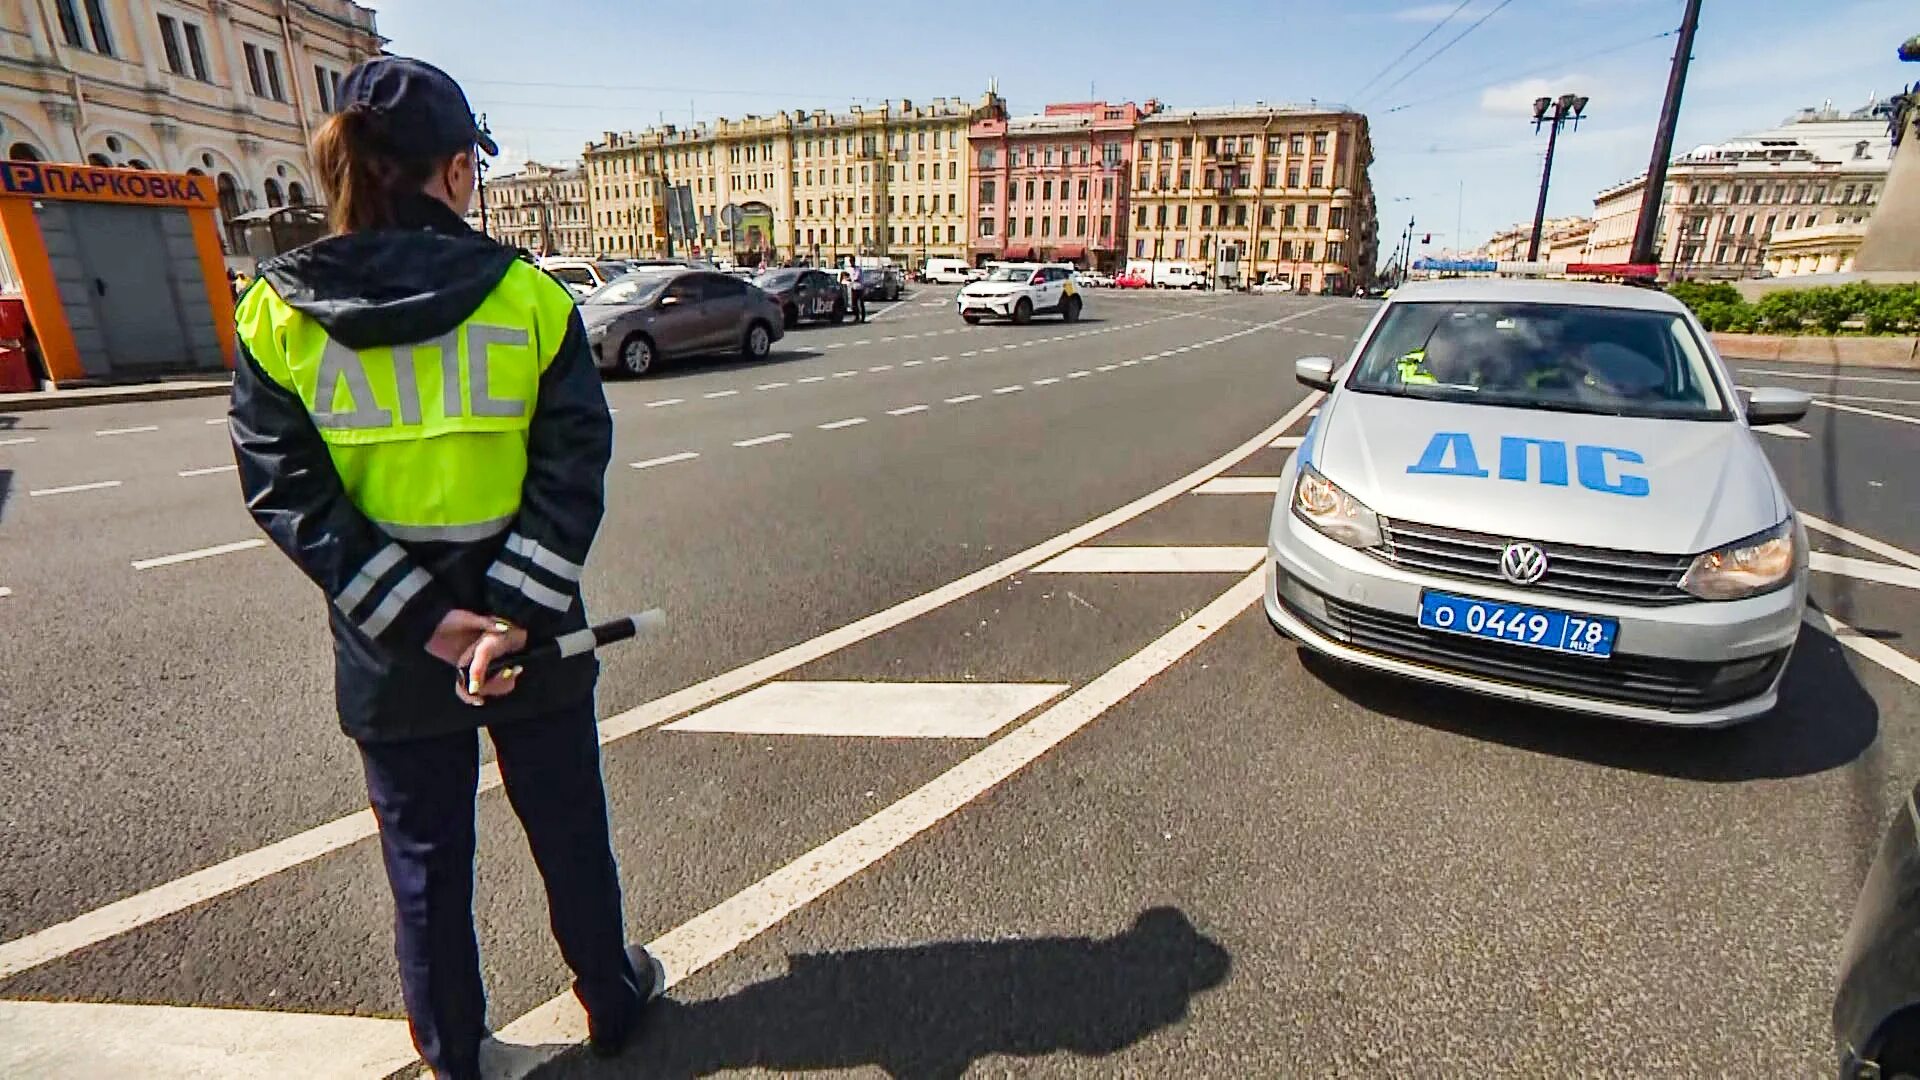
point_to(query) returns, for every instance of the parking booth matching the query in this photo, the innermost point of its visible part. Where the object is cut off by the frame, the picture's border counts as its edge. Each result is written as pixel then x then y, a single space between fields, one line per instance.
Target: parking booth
pixel 120 270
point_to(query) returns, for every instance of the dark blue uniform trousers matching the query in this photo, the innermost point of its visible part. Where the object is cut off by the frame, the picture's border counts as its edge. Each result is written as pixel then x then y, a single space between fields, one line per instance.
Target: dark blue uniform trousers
pixel 422 791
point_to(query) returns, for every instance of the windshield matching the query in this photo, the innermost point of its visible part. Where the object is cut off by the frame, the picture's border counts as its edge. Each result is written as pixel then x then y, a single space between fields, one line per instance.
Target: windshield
pixel 630 289
pixel 1010 273
pixel 777 279
pixel 1542 356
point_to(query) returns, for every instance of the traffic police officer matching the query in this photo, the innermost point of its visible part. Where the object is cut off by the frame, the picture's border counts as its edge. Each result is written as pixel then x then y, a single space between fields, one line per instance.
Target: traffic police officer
pixel 419 425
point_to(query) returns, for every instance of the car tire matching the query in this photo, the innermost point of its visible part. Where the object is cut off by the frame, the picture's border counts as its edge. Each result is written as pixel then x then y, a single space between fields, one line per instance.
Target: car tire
pixel 1022 312
pixel 970 320
pixel 1070 311
pixel 757 342
pixel 790 316
pixel 839 314
pixel 636 355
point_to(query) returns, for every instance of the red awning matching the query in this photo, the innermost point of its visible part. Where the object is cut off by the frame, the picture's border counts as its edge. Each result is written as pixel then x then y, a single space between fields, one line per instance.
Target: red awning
pixel 1070 251
pixel 1019 254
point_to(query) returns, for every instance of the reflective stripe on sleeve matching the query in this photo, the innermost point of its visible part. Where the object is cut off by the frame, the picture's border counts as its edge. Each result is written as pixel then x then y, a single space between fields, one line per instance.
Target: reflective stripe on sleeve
pixel 386 559
pixel 529 588
pixel 544 557
pixel 389 608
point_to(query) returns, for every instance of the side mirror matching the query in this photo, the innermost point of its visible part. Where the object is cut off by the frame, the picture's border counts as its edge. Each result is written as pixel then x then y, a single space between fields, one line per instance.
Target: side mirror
pixel 1772 405
pixel 1314 371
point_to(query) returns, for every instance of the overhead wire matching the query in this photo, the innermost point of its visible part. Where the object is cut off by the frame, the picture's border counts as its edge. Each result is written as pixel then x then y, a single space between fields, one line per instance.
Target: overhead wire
pixel 1408 51
pixel 1571 59
pixel 1451 42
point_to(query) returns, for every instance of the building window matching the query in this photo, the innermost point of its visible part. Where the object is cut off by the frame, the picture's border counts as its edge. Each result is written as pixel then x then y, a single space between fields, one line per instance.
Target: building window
pixel 1792 220
pixel 263 73
pixel 1293 176
pixel 1160 217
pixel 1337 218
pixel 1319 142
pixel 1313 217
pixel 1186 177
pixel 1063 225
pixel 1180 249
pixel 1146 177
pixel 1139 248
pixel 1106 226
pixel 923 170
pixel 1286 217
pixel 1240 216
pixel 1106 187
pixel 1030 191
pixel 1029 226
pixel 1299 144
pixel 1046 191
pixel 1166 177
pixel 1140 217
pixel 1180 217
pixel 1266 249
pixel 1336 252
pixel 1110 155
pixel 96 23
pixel 1306 251
pixel 921 203
pixel 1046 226
pixel 1317 177
pixel 1273 176
pixel 186 52
pixel 1082 189
pixel 1166 148
pixel 1286 249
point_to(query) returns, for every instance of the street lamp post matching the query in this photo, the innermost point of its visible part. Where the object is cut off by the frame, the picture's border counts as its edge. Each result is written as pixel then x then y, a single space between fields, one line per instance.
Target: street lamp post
pixel 1567 107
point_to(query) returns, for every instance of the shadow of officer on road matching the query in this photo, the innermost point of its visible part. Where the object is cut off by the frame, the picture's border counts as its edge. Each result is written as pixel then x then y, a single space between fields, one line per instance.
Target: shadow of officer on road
pixel 934 1010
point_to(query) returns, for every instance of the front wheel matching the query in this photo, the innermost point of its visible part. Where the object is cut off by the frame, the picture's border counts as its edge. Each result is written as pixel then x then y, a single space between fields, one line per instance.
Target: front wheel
pixel 839 313
pixel 757 343
pixel 636 355
pixel 1070 311
pixel 1023 312
pixel 790 316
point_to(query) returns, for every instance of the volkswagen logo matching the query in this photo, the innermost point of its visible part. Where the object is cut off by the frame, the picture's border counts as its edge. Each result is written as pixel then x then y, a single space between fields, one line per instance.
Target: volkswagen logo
pixel 1522 563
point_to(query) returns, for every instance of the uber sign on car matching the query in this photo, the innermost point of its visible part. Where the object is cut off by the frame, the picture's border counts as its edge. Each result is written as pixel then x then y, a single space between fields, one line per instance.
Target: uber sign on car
pixel 1544 491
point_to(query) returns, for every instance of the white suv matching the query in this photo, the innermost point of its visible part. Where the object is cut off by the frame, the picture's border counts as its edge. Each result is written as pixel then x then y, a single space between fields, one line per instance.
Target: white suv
pixel 1019 291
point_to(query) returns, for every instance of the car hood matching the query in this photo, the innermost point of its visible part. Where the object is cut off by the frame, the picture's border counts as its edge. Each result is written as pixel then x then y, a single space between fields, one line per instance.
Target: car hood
pixel 1668 486
pixel 991 288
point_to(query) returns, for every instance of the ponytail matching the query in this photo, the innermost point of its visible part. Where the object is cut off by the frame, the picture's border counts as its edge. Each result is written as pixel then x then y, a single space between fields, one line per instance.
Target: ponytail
pixel 364 176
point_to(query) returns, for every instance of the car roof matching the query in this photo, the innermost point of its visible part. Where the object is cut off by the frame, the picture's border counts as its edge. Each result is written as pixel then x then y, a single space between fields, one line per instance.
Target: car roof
pixel 1531 291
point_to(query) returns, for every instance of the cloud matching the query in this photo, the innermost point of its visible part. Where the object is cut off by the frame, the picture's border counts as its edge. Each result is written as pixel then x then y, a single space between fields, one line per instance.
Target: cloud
pixel 1432 13
pixel 1517 98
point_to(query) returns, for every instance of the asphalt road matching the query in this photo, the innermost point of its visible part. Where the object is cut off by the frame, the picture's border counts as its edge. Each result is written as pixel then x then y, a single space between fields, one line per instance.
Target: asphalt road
pixel 1137 833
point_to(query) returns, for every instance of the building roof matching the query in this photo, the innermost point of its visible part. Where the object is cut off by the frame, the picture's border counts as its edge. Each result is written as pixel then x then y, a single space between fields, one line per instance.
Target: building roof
pixel 1257 111
pixel 1048 125
pixel 1823 136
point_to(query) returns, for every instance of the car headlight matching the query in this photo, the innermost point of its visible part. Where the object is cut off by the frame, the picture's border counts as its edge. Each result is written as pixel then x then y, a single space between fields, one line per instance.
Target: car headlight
pixel 1743 568
pixel 1322 504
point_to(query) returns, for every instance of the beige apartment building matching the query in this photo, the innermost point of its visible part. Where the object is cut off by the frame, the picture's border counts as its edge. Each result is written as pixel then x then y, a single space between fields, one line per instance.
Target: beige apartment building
pixel 1561 240
pixel 815 186
pixel 1288 186
pixel 1725 202
pixel 542 208
pixel 227 88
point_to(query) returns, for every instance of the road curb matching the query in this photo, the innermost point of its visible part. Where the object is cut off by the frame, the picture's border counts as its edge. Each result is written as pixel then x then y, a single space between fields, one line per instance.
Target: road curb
pixel 109 395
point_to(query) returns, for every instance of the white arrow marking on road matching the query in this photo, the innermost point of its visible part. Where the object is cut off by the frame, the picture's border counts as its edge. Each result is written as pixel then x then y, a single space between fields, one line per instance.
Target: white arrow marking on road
pixel 129 430
pixel 1240 485
pixel 1783 431
pixel 662 403
pixel 764 439
pixel 203 553
pixel 838 424
pixel 24 439
pixel 1154 560
pixel 71 488
pixel 1864 570
pixel 907 411
pixel 47 1038
pixel 684 455
pixel 210 470
pixel 873 710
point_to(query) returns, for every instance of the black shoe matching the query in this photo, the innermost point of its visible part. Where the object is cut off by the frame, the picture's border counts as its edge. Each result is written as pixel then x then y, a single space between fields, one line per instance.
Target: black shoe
pixel 609 1040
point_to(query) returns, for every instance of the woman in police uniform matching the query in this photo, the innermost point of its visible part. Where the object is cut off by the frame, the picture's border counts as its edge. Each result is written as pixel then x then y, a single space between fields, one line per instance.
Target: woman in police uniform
pixel 419 425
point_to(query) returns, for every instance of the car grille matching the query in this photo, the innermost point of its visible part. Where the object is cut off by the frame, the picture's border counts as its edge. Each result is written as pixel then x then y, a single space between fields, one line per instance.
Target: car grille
pixel 1675 685
pixel 1627 577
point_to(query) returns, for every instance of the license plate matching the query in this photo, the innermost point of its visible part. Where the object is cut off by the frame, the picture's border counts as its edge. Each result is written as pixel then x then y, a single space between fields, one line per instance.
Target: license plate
pixel 1517 624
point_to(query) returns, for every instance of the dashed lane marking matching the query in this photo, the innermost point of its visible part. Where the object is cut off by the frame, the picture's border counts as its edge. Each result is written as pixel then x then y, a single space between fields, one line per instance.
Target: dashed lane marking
pixel 128 430
pixel 202 553
pixel 881 367
pixel 963 399
pixel 210 470
pixel 836 425
pixel 71 488
pixel 1864 569
pixel 911 363
pixel 763 440
pixel 1078 374
pixel 1014 389
pixel 970 352
pixel 5 592
pixel 1823 403
pixel 25 439
pixel 812 379
pixel 1240 485
pixel 1104 367
pixel 215 420
pixel 770 386
pixel 1049 381
pixel 872 710
pixel 1824 377
pixel 664 402
pixel 1154 560
pixel 937 359
pixel 720 394
pixel 1862 541
pixel 670 459
pixel 907 410
pixel 845 374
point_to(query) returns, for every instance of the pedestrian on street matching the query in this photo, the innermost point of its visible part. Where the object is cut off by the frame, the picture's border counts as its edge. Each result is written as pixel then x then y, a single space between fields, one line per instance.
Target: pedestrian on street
pixel 856 297
pixel 419 425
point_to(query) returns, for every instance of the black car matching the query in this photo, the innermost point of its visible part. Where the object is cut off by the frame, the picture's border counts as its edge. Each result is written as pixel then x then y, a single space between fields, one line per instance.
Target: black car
pixel 804 293
pixel 881 282
pixel 640 318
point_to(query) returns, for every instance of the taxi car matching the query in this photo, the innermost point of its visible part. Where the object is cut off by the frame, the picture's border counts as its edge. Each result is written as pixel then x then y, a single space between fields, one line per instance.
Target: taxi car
pixel 1019 291
pixel 1544 491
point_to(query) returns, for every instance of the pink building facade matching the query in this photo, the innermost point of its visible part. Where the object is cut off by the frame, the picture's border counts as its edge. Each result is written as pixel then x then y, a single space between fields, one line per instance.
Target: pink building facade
pixel 1053 187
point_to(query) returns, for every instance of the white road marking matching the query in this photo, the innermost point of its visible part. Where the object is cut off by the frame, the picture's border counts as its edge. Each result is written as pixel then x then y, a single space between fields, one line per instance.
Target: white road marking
pixel 911 363
pixel 990 348
pixel 963 399
pixel 907 410
pixel 1824 377
pixel 937 359
pixel 838 345
pixel 1864 569
pixel 836 425
pixel 764 439
pixel 845 374
pixel 884 340
pixel 1154 560
pixel 215 420
pixel 71 488
pixel 169 898
pixel 65 1038
pixel 770 386
pixel 713 934
pixel 971 352
pixel 1049 381
pixel 684 455
pixel 5 592
pixel 1869 399
pixel 203 553
pixel 1128 363
pixel 665 402
pixel 1078 374
pixel 1104 367
pixel 1016 388
pixel 25 439
pixel 720 393
pixel 1166 352
pixel 1286 442
pixel 1866 412
pixel 210 470
pixel 1877 651
pixel 128 430
pixel 1240 485
pixel 873 710
pixel 881 367
pixel 1783 431
pixel 1861 540
pixel 812 378
pixel 863 341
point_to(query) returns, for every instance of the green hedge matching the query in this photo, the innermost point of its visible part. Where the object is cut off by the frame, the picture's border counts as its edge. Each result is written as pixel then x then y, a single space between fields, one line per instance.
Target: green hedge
pixel 1825 309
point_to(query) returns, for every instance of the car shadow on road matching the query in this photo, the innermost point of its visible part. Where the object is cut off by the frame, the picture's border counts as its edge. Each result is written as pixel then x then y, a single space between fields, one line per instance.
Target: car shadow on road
pixel 935 1010
pixel 1825 719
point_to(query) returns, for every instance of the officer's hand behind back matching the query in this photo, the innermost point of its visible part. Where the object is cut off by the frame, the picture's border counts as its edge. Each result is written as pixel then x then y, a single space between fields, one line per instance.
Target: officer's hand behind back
pixel 500 639
pixel 459 631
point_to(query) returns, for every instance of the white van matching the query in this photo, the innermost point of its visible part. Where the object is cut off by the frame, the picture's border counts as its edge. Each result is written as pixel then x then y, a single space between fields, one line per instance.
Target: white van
pixel 946 271
pixel 1169 275
pixel 582 276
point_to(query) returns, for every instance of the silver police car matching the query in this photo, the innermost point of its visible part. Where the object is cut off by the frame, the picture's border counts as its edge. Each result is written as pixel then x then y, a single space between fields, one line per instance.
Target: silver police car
pixel 1546 491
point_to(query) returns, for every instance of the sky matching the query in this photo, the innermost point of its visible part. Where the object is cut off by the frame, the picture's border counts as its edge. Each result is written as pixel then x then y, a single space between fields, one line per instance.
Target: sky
pixel 1454 146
